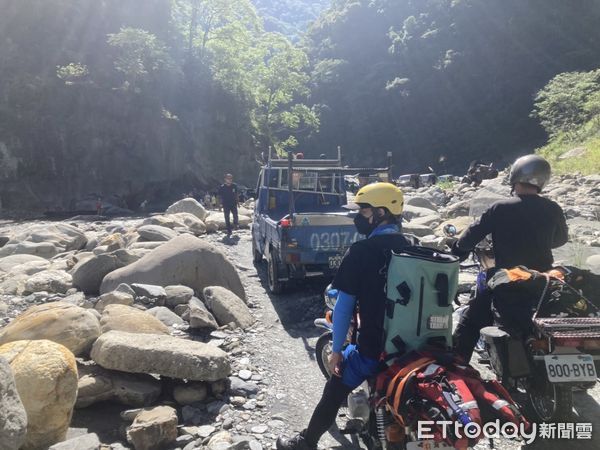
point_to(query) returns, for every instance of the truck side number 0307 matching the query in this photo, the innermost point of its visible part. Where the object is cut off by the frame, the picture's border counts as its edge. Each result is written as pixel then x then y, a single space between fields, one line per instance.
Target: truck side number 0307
pixel 332 241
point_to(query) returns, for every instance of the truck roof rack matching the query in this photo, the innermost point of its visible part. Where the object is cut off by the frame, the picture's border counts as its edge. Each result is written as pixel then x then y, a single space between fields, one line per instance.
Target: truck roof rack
pixel 301 163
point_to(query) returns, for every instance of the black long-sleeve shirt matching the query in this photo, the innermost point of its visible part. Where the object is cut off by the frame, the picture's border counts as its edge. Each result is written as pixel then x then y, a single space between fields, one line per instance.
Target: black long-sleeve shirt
pixel 524 231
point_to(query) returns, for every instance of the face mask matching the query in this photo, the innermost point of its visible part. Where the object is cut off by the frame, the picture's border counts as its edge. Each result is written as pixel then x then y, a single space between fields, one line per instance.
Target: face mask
pixel 363 226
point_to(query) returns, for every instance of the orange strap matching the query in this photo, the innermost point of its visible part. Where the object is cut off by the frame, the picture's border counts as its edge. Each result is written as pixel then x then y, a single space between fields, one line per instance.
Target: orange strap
pixel 401 378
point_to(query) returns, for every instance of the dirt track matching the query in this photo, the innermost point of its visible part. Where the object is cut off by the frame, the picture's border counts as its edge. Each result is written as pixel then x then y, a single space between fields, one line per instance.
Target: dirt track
pixel 284 348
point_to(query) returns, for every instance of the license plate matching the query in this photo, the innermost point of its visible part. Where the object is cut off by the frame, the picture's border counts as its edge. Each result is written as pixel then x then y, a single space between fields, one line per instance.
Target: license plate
pixel 564 368
pixel 427 445
pixel 335 261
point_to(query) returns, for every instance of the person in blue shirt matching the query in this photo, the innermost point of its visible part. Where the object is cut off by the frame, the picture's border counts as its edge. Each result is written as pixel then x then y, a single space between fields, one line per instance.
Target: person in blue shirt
pixel 360 282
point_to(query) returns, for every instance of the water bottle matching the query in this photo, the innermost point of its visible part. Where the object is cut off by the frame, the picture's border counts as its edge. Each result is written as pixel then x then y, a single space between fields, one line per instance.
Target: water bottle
pixel 358 405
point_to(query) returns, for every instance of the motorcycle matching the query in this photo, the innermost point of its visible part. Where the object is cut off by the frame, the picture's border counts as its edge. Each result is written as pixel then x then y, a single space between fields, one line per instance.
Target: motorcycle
pixel 368 416
pixel 557 355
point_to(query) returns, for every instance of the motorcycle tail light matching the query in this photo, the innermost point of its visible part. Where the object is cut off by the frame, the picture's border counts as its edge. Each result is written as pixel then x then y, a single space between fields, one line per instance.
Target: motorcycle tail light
pixel 394 433
pixel 285 223
pixel 328 316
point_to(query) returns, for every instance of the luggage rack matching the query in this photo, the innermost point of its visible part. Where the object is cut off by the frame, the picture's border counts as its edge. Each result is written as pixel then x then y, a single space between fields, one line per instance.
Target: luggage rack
pixel 569 327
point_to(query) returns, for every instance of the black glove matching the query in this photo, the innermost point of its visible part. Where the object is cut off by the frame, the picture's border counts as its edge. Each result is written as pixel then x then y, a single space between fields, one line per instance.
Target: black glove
pixel 457 251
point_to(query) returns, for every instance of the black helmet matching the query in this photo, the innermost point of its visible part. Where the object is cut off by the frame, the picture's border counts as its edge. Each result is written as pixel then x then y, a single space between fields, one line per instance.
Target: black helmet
pixel 530 169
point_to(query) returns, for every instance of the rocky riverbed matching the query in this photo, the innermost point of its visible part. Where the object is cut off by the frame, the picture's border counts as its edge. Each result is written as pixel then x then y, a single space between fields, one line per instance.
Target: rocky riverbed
pixel 135 333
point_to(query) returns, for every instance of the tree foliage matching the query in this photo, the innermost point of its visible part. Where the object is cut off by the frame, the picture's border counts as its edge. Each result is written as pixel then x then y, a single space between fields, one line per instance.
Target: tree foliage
pixel 442 82
pixel 142 98
pixel 568 101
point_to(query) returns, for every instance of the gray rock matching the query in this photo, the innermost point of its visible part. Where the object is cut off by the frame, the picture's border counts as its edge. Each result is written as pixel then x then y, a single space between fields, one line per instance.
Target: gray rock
pixel 131 320
pixel 245 374
pixel 149 291
pixel 88 274
pixel 97 384
pixel 45 240
pixel 77 299
pixel 53 281
pixel 227 307
pixel 192 415
pixel 113 298
pixel 593 262
pixel 183 310
pixel 155 233
pixel 66 324
pixel 153 429
pixel 241 387
pixel 459 209
pixel 124 287
pixel 146 245
pixel 166 316
pixel 8 262
pixel 184 260
pixel 420 202
pixel 163 355
pixel 178 295
pixel 188 205
pixel 192 223
pixel 205 431
pixel 417 230
pixel 42 249
pixel 199 316
pixel 411 212
pixel 431 221
pixel 88 441
pixel 218 387
pixel 13 418
pixel 194 445
pixel 189 393
pixel 183 440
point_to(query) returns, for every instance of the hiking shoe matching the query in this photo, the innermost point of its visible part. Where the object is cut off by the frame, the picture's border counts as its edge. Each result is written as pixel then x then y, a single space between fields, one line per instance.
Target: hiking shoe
pixel 295 443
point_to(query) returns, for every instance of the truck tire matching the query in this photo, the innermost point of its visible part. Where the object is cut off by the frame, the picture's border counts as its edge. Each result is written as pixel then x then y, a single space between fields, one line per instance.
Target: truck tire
pixel 256 255
pixel 275 286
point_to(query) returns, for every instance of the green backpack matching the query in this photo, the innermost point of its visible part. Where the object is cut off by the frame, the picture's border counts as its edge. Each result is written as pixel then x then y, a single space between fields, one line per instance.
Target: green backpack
pixel 421 285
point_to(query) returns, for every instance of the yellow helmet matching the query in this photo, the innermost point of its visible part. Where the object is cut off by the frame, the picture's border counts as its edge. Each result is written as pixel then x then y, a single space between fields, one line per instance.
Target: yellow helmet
pixel 380 195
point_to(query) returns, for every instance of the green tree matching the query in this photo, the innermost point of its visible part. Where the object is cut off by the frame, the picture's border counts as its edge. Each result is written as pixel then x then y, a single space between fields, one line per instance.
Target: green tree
pixel 140 57
pixel 281 83
pixel 568 101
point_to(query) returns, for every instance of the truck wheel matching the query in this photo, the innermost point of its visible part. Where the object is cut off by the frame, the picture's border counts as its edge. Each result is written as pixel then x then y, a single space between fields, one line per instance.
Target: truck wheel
pixel 256 255
pixel 275 286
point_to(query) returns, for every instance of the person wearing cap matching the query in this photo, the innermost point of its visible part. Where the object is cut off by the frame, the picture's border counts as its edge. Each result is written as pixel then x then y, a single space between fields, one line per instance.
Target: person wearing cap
pixel 228 192
pixel 524 228
pixel 360 282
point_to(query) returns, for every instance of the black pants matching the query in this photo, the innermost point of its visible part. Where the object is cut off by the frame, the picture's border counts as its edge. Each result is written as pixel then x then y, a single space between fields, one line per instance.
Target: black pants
pixel 230 209
pixel 477 316
pixel 334 394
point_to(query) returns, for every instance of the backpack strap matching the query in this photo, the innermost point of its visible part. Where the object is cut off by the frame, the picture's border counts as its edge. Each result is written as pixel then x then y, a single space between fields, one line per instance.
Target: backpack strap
pixel 398 383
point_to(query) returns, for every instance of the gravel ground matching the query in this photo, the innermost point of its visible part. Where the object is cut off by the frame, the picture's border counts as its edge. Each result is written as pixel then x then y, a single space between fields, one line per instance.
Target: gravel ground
pixel 286 351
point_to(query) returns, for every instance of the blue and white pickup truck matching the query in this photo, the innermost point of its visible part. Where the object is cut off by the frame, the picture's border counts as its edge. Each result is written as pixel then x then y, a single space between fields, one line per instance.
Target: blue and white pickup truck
pixel 299 224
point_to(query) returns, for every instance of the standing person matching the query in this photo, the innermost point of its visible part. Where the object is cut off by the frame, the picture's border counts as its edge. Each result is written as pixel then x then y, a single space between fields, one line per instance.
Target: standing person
pixel 524 229
pixel 228 192
pixel 360 281
pixel 207 200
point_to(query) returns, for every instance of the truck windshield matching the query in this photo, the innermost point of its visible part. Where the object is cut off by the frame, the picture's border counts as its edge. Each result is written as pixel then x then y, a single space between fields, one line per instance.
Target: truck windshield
pixel 306 180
